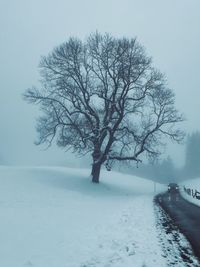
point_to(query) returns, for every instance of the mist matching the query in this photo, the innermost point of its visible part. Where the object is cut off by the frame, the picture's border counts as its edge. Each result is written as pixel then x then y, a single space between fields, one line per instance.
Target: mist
pixel 29 29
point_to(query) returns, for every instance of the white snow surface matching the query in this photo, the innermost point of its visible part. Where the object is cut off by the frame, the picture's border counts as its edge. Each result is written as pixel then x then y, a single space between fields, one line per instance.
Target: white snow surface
pixel 194 186
pixel 55 217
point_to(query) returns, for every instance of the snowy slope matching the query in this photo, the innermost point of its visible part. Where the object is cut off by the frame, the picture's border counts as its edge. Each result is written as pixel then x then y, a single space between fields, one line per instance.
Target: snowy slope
pixel 190 190
pixel 55 217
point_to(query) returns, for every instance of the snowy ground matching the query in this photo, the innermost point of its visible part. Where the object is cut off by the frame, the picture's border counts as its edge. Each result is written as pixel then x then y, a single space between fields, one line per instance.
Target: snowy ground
pixel 190 190
pixel 55 217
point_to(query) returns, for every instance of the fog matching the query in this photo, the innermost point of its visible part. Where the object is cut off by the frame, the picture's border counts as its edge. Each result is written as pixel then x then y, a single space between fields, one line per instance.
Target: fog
pixel 29 29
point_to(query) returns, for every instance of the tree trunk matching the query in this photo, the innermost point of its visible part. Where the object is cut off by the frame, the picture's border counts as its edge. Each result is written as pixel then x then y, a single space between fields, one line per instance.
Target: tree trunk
pixel 96 168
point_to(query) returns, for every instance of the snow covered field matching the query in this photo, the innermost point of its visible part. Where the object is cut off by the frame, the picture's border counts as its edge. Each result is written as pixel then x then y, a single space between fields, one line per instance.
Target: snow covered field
pixel 190 190
pixel 55 217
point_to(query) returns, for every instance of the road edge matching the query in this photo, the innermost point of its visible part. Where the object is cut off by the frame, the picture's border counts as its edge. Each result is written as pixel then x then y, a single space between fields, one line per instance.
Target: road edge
pixel 175 246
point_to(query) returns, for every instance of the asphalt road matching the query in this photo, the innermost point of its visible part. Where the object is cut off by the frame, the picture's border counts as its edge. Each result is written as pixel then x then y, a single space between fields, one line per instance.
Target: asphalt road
pixel 185 215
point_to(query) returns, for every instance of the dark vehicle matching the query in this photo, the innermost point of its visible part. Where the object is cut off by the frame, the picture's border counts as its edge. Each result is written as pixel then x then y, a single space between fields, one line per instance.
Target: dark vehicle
pixel 173 188
pixel 173 192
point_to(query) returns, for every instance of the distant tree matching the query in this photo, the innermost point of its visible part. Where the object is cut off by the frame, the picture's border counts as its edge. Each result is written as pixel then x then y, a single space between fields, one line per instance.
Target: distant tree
pixel 167 170
pixel 192 160
pixel 104 97
pixel 163 171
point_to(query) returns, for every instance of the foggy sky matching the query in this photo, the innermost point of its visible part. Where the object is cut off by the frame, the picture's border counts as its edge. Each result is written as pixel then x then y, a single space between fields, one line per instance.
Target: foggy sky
pixel 170 31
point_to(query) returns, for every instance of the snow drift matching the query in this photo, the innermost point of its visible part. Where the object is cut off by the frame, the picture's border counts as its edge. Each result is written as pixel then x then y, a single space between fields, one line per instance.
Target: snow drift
pixel 190 190
pixel 55 217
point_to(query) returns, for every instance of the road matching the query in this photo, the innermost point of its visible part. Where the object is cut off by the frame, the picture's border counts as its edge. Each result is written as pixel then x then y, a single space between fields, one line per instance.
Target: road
pixel 185 215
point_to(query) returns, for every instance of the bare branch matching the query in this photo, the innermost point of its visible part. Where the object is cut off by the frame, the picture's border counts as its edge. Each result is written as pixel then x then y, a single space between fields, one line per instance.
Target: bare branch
pixel 104 96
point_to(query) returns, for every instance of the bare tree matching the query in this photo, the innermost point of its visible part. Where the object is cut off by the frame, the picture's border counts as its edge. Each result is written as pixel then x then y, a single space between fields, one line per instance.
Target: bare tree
pixel 104 97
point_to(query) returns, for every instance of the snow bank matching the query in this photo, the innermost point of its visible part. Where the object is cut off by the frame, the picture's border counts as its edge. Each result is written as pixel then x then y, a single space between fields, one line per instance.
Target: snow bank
pixel 190 190
pixel 55 217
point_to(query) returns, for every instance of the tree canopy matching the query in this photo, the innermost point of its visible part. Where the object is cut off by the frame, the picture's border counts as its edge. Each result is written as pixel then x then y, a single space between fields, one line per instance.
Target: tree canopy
pixel 103 96
pixel 192 160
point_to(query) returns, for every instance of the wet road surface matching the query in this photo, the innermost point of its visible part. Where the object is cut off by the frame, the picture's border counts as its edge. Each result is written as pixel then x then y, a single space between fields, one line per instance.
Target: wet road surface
pixel 185 215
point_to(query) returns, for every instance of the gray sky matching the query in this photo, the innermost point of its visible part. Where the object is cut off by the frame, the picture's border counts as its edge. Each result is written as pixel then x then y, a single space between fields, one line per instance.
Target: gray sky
pixel 170 31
